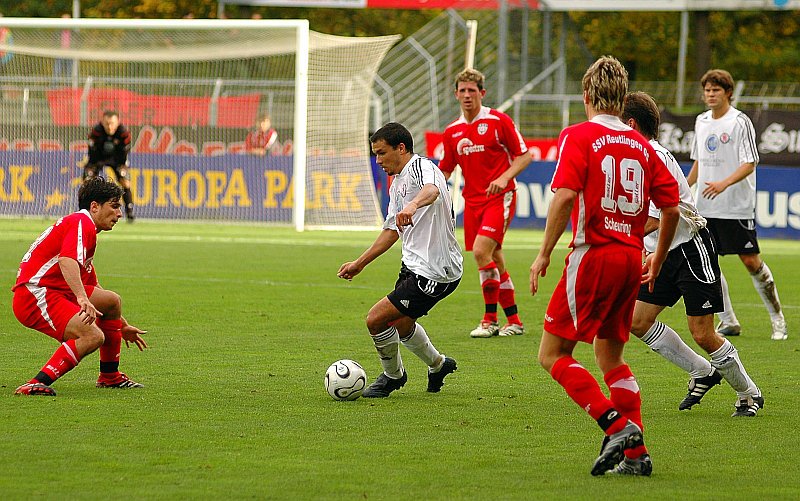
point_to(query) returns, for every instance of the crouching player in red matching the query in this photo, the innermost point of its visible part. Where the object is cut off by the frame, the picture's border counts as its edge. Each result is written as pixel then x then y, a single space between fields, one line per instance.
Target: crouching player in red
pixel 57 293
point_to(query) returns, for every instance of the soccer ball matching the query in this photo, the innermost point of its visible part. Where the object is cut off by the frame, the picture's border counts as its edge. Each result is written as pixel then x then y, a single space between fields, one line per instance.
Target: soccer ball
pixel 345 380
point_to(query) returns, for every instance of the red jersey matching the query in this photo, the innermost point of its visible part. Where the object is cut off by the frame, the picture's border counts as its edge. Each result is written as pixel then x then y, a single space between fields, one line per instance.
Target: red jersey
pixel 616 173
pixel 73 236
pixel 484 148
pixel 260 139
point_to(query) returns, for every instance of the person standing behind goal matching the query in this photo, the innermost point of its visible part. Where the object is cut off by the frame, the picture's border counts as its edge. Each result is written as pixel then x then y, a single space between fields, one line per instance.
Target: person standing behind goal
pixel 491 152
pixel 725 157
pixel 109 145
pixel 421 213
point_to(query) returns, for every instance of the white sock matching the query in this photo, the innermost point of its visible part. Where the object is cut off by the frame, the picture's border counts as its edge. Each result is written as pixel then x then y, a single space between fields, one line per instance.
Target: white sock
pixel 663 340
pixel 726 361
pixel 765 285
pixel 727 316
pixel 420 345
pixel 388 345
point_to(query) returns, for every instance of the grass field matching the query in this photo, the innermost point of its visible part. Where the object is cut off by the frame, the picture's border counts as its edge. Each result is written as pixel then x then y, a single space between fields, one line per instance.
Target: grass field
pixel 243 322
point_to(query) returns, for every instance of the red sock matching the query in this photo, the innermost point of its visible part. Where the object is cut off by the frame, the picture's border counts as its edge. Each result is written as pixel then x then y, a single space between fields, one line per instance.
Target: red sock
pixel 490 284
pixel 63 360
pixel 109 351
pixel 507 300
pixel 627 399
pixel 584 390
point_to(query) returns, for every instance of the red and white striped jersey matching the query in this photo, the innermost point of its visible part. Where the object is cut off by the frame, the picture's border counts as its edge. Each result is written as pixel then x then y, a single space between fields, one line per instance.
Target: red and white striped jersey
pixel 73 236
pixel 616 173
pixel 484 148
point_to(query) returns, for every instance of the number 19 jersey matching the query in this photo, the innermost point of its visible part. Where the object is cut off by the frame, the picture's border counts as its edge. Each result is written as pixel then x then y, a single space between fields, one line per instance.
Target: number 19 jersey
pixel 616 173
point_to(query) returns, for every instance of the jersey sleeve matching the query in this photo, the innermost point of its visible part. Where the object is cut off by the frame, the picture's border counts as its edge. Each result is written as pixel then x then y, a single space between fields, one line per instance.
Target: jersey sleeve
pixel 78 237
pixel 663 186
pixel 512 139
pixel 748 151
pixel 449 161
pixel 391 213
pixel 572 163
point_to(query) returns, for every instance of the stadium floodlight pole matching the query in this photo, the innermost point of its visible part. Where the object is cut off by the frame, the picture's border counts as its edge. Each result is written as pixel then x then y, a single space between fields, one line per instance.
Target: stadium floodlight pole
pixel 300 123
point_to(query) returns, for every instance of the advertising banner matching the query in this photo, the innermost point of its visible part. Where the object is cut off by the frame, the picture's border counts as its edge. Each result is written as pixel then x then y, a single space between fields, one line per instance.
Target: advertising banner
pixel 156 110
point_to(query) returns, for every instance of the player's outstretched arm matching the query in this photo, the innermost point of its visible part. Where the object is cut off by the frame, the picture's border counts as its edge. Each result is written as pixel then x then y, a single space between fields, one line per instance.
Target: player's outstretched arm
pixel 384 242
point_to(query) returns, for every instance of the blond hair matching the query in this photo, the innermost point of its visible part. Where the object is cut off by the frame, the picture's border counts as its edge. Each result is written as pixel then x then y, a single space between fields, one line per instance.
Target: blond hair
pixel 606 83
pixel 470 75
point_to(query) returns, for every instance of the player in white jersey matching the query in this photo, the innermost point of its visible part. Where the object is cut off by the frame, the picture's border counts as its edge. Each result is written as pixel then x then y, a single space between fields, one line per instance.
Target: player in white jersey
pixel 725 157
pixel 421 214
pixel 691 271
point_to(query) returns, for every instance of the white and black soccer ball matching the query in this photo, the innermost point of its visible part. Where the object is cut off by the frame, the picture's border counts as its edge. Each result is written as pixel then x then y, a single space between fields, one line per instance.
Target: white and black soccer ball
pixel 345 380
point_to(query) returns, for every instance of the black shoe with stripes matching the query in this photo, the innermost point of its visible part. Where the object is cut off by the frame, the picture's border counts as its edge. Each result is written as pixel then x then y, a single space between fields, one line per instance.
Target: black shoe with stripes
pixel 698 387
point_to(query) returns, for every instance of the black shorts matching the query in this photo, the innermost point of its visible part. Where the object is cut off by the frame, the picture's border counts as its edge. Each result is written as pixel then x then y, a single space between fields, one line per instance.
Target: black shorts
pixel 691 271
pixel 734 236
pixel 415 295
pixel 94 170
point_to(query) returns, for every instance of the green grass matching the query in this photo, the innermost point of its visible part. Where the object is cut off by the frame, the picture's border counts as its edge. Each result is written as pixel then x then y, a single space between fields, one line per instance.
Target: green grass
pixel 243 322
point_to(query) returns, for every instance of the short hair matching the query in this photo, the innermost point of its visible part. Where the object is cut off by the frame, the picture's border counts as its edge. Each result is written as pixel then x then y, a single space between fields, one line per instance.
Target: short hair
pixel 718 77
pixel 606 83
pixel 110 113
pixel 97 189
pixel 642 108
pixel 393 134
pixel 470 75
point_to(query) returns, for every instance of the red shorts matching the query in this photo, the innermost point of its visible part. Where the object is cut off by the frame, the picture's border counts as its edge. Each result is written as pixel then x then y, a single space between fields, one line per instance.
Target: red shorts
pixel 490 219
pixel 596 294
pixel 45 310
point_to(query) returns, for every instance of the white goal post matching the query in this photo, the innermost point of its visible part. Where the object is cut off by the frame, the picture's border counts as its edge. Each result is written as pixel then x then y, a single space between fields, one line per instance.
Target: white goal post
pixel 191 91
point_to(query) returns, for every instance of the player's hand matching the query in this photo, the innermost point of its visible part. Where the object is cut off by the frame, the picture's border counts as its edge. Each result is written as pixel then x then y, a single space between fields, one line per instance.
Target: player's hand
pixel 650 271
pixel 496 186
pixel 88 313
pixel 406 216
pixel 538 269
pixel 348 270
pixel 714 188
pixel 133 335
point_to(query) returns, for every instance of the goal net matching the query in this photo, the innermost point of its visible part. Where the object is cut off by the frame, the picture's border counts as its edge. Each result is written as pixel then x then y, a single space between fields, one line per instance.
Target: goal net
pixel 190 92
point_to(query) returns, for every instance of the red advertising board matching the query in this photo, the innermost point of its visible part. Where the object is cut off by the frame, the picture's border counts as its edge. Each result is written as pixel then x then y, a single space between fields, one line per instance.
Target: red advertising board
pixel 448 4
pixel 155 110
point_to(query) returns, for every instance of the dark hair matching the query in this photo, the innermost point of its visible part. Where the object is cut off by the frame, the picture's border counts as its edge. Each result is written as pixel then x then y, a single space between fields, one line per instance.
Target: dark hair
pixel 642 108
pixel 718 77
pixel 110 113
pixel 394 134
pixel 97 189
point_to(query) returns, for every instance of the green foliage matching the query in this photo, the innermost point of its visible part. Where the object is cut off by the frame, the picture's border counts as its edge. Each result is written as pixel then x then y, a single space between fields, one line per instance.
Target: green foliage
pixel 243 321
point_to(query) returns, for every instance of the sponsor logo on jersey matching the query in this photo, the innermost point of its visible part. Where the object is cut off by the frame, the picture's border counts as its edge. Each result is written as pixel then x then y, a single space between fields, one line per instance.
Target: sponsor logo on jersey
pixel 482 128
pixel 489 228
pixel 712 143
pixel 458 134
pixel 724 138
pixel 465 147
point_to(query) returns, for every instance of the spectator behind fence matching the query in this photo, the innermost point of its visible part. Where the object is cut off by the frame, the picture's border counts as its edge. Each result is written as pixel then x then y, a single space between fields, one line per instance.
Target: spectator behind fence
pixel 260 140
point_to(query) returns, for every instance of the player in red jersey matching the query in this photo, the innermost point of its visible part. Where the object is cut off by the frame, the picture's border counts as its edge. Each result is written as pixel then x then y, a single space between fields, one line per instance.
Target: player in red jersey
pixel 605 177
pixel 260 140
pixel 57 293
pixel 491 152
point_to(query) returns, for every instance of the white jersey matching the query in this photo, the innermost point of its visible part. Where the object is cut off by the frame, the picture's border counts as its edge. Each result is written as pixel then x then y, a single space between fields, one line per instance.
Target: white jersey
pixel 430 248
pixel 720 146
pixel 690 221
